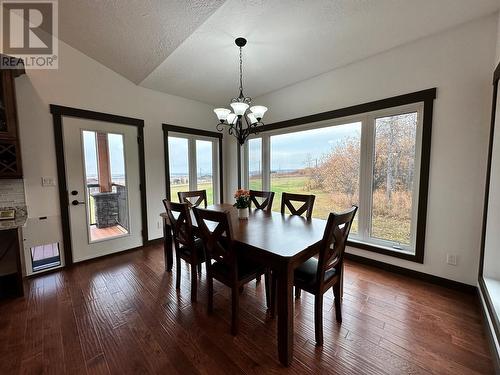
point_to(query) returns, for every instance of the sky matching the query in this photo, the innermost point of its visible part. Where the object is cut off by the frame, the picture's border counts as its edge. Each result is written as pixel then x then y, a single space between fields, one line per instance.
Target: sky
pixel 178 156
pixel 116 156
pixel 290 151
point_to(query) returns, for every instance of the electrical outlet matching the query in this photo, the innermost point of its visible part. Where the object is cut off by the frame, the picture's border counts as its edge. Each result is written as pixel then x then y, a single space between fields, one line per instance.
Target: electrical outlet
pixel 451 259
pixel 48 181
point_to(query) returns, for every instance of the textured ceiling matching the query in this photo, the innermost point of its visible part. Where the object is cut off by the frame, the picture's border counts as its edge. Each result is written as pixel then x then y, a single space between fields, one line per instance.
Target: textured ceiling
pixel 292 40
pixel 186 48
pixel 131 37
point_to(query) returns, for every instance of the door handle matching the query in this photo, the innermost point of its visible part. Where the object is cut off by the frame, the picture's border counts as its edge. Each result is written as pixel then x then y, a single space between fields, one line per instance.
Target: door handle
pixel 76 202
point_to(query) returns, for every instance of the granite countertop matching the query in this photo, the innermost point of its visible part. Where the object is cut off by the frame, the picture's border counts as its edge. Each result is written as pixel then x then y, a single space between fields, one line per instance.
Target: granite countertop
pixel 18 222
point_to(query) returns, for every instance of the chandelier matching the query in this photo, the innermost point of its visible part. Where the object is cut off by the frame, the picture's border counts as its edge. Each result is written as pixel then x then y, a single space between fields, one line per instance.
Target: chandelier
pixel 244 119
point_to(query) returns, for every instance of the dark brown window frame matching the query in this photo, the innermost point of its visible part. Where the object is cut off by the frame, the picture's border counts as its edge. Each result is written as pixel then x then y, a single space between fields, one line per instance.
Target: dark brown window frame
pixel 427 98
pixel 58 112
pixel 190 131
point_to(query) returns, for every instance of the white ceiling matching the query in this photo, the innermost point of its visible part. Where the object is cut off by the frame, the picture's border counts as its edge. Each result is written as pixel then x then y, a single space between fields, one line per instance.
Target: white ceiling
pixel 131 37
pixel 186 47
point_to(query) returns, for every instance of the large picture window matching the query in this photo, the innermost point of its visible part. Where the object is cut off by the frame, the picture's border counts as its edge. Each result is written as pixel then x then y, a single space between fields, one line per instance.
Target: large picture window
pixel 372 159
pixel 193 162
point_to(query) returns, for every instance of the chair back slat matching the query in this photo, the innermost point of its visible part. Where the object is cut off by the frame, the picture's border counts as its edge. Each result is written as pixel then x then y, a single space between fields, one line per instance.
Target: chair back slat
pixel 334 241
pixel 307 206
pixel 219 240
pixel 193 198
pixel 266 204
pixel 181 225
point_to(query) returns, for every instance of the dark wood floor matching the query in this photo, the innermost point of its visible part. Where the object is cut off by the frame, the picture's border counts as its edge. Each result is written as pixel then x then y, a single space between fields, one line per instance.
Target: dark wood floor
pixel 122 314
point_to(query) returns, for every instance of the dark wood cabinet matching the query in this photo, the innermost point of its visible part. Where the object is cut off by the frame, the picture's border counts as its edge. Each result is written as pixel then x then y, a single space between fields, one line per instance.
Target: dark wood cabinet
pixel 10 152
pixel 8 114
pixel 10 159
pixel 11 278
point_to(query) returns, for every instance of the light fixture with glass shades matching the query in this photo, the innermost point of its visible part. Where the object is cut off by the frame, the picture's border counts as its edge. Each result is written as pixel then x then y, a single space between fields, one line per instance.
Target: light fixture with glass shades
pixel 252 116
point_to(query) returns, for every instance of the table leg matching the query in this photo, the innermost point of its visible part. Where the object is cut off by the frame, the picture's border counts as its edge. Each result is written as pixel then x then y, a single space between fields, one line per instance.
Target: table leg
pixel 342 282
pixel 167 246
pixel 285 315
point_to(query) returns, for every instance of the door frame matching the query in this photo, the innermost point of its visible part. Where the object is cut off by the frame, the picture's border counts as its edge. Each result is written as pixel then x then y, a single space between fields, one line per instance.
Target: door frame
pixel 191 131
pixel 58 112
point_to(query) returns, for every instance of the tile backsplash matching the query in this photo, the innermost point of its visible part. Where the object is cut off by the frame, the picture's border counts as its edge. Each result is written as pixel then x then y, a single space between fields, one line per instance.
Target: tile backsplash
pixel 12 194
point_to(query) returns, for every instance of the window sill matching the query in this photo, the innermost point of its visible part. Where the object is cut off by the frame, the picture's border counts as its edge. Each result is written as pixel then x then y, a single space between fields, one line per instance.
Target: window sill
pixel 386 251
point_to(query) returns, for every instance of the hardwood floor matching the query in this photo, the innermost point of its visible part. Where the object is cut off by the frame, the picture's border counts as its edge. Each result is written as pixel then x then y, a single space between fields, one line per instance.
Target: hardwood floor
pixel 122 314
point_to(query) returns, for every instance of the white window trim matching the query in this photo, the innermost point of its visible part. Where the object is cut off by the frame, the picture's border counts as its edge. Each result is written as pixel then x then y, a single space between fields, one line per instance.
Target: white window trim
pixel 366 169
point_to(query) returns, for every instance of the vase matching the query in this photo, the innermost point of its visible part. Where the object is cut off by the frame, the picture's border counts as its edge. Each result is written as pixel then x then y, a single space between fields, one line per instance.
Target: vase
pixel 243 213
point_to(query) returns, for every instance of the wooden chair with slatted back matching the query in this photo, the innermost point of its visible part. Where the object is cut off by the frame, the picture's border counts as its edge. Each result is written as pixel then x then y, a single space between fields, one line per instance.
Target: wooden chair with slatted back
pixel 228 266
pixel 307 204
pixel 201 195
pixel 187 247
pixel 317 276
pixel 266 204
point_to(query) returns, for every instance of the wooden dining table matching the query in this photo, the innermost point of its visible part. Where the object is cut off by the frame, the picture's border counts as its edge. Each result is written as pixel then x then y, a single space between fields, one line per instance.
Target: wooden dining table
pixel 282 243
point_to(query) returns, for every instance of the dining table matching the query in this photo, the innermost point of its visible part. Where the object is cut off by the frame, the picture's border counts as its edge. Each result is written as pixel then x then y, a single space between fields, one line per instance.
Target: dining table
pixel 279 241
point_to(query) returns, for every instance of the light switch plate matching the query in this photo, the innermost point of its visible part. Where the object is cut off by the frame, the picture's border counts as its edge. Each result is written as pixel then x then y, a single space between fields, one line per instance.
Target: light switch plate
pixel 48 181
pixel 451 259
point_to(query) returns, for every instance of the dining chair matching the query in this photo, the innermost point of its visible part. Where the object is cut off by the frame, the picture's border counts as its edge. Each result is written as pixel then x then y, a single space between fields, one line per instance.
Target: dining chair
pixel 229 266
pixel 200 195
pixel 267 202
pixel 307 204
pixel 187 246
pixel 316 276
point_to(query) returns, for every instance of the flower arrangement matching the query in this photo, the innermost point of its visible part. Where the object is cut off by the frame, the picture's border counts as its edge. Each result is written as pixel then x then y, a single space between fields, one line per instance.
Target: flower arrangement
pixel 242 197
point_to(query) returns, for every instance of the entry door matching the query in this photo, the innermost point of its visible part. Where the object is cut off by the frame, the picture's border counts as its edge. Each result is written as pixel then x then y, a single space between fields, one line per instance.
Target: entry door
pixel 102 173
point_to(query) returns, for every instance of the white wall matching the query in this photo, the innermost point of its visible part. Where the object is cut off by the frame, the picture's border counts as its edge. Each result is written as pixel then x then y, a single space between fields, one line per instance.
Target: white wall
pixel 459 63
pixel 84 83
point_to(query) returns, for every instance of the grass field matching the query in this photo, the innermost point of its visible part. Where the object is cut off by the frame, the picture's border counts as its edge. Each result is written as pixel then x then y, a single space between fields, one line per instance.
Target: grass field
pixel 383 226
pixel 174 189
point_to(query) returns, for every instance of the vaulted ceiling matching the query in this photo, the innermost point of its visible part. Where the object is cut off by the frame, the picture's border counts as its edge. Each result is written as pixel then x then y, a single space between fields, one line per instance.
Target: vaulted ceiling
pixel 186 47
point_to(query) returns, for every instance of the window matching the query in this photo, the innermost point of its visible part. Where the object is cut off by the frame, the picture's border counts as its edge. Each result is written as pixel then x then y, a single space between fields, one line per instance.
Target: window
pixel 205 168
pixel 371 159
pixel 393 178
pixel 178 157
pixel 193 162
pixel 323 162
pixel 255 164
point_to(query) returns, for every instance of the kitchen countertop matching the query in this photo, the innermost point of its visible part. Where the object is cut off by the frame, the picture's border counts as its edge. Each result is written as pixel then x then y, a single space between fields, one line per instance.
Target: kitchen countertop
pixel 18 222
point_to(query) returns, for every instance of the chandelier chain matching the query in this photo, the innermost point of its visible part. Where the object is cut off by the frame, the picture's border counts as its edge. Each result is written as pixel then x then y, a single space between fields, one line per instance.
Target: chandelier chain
pixel 241 70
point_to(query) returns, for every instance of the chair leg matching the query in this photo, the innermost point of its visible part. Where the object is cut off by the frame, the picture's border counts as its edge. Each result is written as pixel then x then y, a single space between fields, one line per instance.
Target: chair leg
pixel 257 279
pixel 194 282
pixel 199 268
pixel 235 302
pixel 178 273
pixel 210 282
pixel 298 292
pixel 267 283
pixel 318 319
pixel 337 293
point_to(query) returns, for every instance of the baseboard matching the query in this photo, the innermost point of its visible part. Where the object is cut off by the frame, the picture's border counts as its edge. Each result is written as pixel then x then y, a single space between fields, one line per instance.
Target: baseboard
pixel 156 241
pixel 466 288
